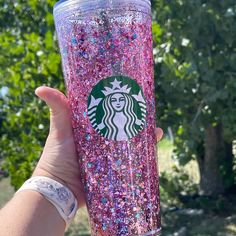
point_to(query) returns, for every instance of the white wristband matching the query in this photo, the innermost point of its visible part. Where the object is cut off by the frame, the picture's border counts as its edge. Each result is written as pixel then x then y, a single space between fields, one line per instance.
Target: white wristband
pixel 56 193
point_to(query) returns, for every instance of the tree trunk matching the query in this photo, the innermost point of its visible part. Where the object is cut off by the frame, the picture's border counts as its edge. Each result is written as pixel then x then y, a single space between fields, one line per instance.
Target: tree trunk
pixel 215 163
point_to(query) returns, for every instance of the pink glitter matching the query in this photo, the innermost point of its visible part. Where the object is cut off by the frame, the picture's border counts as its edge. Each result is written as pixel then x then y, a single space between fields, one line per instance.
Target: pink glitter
pixel 120 177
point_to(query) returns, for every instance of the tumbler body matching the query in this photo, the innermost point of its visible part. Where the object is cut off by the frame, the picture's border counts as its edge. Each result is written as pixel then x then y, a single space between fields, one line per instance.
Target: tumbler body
pixel 106 49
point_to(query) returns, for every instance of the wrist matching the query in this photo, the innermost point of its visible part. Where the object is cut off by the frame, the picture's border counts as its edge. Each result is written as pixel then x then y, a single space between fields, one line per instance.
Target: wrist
pixel 56 193
pixel 65 178
pixel 39 171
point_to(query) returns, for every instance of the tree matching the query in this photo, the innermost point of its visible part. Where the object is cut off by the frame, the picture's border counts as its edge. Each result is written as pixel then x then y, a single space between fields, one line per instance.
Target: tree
pixel 195 55
pixel 195 58
pixel 29 58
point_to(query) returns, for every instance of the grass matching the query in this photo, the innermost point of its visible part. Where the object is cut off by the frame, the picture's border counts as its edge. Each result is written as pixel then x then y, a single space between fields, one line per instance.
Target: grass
pixel 193 217
pixel 80 225
pixel 202 217
pixel 166 161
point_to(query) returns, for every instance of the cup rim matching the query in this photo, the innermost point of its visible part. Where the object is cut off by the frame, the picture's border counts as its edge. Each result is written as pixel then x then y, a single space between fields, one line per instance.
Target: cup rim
pixel 63 3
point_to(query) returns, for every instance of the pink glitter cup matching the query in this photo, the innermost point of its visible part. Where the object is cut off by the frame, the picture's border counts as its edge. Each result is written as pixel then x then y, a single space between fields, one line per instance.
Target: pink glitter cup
pixel 106 48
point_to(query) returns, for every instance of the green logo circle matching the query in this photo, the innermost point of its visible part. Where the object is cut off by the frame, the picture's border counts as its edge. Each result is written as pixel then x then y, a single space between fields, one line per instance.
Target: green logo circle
pixel 117 108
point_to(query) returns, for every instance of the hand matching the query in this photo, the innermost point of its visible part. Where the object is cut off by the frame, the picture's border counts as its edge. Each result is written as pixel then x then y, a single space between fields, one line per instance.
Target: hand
pixel 159 134
pixel 59 160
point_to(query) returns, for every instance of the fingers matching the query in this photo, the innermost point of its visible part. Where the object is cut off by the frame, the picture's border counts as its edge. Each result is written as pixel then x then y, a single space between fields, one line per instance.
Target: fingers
pixel 159 134
pixel 60 124
pixel 55 99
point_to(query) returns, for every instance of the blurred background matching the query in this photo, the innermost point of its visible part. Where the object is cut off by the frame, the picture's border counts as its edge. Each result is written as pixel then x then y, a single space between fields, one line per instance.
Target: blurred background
pixel 195 74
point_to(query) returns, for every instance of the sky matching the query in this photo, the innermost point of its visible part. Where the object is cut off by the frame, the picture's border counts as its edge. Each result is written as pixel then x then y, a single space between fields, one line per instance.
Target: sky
pixel 3 91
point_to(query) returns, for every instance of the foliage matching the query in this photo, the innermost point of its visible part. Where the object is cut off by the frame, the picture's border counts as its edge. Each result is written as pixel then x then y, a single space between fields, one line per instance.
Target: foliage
pixel 174 183
pixel 28 58
pixel 195 56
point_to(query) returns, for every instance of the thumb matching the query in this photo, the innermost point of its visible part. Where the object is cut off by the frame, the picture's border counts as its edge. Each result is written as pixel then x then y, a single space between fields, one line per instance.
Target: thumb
pixel 60 124
pixel 159 134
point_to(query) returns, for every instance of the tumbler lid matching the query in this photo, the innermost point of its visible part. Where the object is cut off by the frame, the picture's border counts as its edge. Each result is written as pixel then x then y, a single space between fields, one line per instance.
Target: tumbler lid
pixel 64 3
pixel 59 3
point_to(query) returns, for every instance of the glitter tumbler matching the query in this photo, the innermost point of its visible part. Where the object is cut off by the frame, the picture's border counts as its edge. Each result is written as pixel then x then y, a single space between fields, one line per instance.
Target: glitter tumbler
pixel 106 49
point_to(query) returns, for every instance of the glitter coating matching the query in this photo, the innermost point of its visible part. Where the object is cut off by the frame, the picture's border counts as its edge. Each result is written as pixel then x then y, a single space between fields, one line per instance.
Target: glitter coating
pixel 120 177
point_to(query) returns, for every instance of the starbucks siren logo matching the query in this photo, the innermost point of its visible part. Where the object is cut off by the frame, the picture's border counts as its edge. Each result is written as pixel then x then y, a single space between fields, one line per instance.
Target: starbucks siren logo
pixel 117 108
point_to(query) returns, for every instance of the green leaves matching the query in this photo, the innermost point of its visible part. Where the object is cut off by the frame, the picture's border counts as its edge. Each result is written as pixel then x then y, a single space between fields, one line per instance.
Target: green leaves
pixel 157 32
pixel 29 58
pixel 196 80
pixel 195 60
